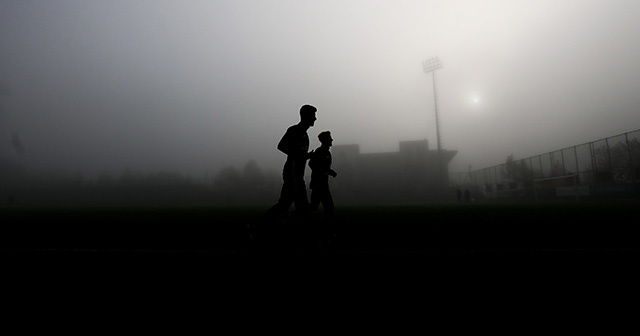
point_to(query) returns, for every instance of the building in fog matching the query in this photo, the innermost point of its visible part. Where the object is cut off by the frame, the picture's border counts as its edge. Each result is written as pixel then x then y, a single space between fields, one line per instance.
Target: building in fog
pixel 411 174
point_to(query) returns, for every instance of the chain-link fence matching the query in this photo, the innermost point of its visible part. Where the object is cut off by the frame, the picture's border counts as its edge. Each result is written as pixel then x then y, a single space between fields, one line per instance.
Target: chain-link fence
pixel 608 167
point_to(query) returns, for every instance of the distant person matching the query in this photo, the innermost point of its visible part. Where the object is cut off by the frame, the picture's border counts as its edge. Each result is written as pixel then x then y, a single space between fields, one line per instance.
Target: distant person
pixel 467 195
pixel 459 194
pixel 295 144
pixel 320 164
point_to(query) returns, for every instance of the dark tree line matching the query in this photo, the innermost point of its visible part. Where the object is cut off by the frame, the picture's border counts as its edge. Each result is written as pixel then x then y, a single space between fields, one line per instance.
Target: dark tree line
pixel 619 162
pixel 516 171
pixel 250 185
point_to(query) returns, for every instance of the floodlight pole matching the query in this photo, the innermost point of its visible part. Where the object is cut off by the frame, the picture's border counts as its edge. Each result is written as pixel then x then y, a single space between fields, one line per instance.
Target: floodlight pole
pixel 431 65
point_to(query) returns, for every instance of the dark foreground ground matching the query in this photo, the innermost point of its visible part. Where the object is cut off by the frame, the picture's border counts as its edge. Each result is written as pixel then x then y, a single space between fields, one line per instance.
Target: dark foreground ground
pixel 440 249
pixel 502 230
pixel 431 255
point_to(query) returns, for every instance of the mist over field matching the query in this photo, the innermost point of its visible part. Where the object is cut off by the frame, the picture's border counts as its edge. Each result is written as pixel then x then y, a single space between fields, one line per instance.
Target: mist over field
pixel 160 92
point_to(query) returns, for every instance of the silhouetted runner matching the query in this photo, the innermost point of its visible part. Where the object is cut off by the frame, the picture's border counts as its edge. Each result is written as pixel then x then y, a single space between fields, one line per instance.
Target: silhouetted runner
pixel 295 144
pixel 320 164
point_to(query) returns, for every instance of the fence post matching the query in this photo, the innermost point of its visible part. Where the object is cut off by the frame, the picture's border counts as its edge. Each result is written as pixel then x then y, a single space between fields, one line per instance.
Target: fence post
pixel 575 187
pixel 611 185
pixel 575 154
pixel 593 164
pixel 541 170
pixel 609 157
pixel 633 175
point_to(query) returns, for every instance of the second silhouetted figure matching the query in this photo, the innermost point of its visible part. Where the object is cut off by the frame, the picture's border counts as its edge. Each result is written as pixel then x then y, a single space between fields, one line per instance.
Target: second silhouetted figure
pixel 320 164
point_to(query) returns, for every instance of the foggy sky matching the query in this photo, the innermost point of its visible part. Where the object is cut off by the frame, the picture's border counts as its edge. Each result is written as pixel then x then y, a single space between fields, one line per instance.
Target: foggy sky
pixel 192 86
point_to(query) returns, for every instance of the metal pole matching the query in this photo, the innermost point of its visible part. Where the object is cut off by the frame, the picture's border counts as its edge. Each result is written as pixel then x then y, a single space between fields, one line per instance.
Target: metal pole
pixel 431 65
pixel 577 180
pixel 626 139
pixel 541 170
pixel 606 141
pixel 575 154
pixel 435 101
pixel 593 163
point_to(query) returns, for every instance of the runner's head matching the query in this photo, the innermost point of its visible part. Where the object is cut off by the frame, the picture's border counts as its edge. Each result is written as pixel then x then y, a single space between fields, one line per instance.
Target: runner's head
pixel 308 115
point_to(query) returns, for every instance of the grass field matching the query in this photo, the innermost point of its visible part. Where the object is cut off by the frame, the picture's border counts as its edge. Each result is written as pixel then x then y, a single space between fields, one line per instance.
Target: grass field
pixel 440 229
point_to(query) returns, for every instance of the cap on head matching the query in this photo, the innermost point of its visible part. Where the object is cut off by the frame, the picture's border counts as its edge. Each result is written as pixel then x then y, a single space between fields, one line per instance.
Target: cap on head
pixel 307 111
pixel 324 136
